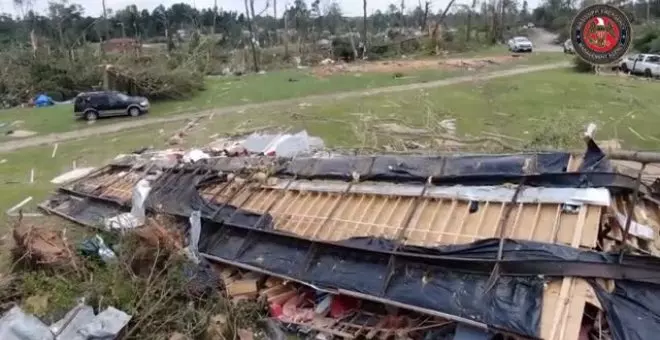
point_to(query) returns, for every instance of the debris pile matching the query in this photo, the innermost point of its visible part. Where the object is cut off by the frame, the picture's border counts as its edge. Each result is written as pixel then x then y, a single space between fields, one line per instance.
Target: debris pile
pixel 547 245
pixel 79 324
pixel 328 69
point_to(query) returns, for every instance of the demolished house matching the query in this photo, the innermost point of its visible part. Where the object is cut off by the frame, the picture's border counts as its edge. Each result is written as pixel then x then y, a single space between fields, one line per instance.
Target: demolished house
pixel 530 246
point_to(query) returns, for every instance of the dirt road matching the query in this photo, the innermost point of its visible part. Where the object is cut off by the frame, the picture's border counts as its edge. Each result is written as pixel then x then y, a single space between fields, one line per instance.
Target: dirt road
pixel 132 124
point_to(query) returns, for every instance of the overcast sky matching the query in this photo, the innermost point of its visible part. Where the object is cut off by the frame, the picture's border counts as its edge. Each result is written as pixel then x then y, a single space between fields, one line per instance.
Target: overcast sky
pixel 349 7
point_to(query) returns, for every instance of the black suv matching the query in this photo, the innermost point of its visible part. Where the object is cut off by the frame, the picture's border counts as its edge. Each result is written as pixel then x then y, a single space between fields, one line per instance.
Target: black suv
pixel 92 105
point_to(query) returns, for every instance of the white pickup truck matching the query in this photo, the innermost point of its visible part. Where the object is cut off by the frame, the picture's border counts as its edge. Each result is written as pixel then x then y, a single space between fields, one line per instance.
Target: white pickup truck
pixel 646 64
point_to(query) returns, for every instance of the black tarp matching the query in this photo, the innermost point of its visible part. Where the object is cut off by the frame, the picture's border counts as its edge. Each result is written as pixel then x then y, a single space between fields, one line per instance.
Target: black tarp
pixel 514 304
pixel 632 310
pixel 419 168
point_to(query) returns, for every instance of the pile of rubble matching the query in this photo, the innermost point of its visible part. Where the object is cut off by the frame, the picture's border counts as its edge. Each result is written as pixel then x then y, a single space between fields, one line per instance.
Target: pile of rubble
pixel 535 245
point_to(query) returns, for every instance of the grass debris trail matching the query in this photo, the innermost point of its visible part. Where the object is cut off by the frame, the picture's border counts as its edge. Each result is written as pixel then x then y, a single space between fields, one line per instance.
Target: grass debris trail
pixel 255 88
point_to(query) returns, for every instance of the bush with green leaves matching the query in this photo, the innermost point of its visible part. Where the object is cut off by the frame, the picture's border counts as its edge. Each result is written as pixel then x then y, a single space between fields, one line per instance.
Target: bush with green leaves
pixel 648 41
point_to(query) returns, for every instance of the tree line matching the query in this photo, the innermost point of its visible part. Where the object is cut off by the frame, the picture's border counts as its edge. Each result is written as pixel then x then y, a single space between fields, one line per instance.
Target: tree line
pixel 66 24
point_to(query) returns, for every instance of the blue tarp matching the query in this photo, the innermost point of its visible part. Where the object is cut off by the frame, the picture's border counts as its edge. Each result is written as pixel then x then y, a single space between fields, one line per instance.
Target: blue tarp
pixel 43 100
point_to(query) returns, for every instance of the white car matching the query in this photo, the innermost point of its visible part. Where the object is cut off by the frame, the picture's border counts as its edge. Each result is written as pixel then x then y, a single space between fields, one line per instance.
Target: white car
pixel 646 64
pixel 520 44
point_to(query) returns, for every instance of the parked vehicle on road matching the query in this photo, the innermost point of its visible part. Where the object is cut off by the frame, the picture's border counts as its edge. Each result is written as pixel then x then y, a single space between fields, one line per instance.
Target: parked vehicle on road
pixel 568 47
pixel 92 105
pixel 520 44
pixel 644 64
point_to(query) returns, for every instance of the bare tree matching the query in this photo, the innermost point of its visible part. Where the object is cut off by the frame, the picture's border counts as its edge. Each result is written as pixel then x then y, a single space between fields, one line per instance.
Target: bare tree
pixel 286 33
pixel 215 17
pixel 364 29
pixel 251 30
pixel 427 5
pixel 468 32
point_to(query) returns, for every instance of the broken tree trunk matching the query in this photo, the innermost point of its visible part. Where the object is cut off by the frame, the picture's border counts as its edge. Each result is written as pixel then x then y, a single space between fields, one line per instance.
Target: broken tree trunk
pixel 286 35
pixel 250 28
pixel 468 33
pixel 364 29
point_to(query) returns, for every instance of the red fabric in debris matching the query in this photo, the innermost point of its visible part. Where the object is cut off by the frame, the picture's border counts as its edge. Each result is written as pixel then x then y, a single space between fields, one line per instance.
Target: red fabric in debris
pixel 275 310
pixel 342 305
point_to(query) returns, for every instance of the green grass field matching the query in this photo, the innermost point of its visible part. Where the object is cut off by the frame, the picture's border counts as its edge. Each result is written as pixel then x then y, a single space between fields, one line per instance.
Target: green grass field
pixel 541 108
pixel 253 88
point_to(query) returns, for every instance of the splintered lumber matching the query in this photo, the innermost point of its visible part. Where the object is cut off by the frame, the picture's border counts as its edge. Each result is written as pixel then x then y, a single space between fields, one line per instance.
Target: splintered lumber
pixel 272 282
pixel 242 287
pixel 282 298
pixel 274 291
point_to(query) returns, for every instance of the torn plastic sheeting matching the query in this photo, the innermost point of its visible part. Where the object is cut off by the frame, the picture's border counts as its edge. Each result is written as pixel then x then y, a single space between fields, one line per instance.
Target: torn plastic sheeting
pixel 195 155
pixel 177 193
pixel 637 229
pixel 548 170
pixel 632 310
pixel 195 229
pixel 573 196
pixel 174 191
pixel 67 327
pixel 137 216
pixel 282 145
pixel 78 324
pixel 594 159
pixel 105 326
pixel 470 333
pixel 422 167
pixel 17 325
pixel 83 210
pixel 424 286
pixel 96 246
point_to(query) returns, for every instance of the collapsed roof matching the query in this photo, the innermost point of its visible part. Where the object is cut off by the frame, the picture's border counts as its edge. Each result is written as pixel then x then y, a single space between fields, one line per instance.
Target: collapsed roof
pixel 514 243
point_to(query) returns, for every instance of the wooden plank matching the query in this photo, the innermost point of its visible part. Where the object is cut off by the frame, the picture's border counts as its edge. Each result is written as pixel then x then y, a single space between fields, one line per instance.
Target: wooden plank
pixel 567 282
pixel 347 233
pixel 572 319
pixel 386 221
pixel 306 214
pixel 374 217
pixel 482 218
pixel 242 287
pixel 535 223
pixel 442 230
pixel 282 297
pixel 346 220
pixel 275 291
pixel 321 214
pixel 431 223
pixel 414 233
pixel 514 228
pixel 341 203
